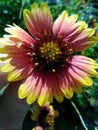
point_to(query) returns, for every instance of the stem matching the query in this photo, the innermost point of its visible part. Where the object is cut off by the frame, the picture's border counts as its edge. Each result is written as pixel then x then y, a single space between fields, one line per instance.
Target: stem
pixel 79 114
pixel 3 89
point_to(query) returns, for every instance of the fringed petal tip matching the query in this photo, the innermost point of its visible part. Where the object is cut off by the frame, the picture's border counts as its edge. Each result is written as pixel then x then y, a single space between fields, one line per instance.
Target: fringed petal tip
pixel 68 93
pixel 44 99
pixel 94 39
pixel 41 103
pixel 90 31
pixel 9 28
pixel 44 4
pixel 81 25
pixel 63 15
pixel 26 13
pixel 17 34
pixel 21 92
pixel 35 5
pixel 3 57
pixel 38 20
pixel 5 41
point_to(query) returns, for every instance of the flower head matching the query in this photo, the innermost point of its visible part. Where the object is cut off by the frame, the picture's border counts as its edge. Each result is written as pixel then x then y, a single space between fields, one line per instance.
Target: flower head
pixel 44 59
pixel 44 116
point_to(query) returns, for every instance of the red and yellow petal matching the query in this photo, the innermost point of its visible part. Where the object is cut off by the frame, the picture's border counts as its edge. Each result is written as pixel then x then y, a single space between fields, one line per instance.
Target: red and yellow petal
pixel 50 89
pixel 65 84
pixel 17 68
pixel 67 91
pixel 74 33
pixel 7 67
pixel 45 95
pixel 81 74
pixel 64 24
pixel 22 70
pixel 19 33
pixel 88 67
pixel 83 40
pixel 30 88
pixel 85 60
pixel 19 74
pixel 58 22
pixel 41 88
pixel 84 43
pixel 53 81
pixel 39 20
pixel 75 86
pixel 14 51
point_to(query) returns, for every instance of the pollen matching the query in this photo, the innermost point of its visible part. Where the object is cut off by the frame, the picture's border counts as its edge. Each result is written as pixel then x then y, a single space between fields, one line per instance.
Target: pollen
pixel 33 54
pixel 49 119
pixel 36 64
pixel 53 70
pixel 50 51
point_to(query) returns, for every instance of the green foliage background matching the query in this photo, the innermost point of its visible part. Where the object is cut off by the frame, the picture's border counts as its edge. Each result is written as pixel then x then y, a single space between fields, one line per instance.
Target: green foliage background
pixel 87 102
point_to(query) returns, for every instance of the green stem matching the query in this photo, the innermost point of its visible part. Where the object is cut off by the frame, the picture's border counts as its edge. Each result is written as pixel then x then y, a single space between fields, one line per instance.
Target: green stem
pixel 3 89
pixel 79 114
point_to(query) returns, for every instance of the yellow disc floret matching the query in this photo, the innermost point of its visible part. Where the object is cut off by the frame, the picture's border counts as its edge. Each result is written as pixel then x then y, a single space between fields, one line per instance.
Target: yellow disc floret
pixel 50 51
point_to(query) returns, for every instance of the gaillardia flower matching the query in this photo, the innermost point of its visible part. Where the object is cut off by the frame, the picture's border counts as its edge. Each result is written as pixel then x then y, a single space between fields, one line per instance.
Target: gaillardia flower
pixel 45 58
pixel 44 116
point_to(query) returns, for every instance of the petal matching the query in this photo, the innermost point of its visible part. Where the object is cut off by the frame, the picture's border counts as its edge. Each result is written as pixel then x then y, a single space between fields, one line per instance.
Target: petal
pixel 45 87
pixel 53 82
pixel 58 22
pixel 84 43
pixel 64 25
pixel 65 84
pixel 68 92
pixel 68 84
pixel 75 86
pixel 3 57
pixel 85 60
pixel 84 34
pixel 45 96
pixel 51 88
pixel 14 51
pixel 22 69
pixel 68 25
pixel 80 74
pixel 74 33
pixel 7 66
pixel 30 88
pixel 85 66
pixel 20 34
pixel 71 32
pixel 5 41
pixel 39 20
pixel 82 40
pixel 33 88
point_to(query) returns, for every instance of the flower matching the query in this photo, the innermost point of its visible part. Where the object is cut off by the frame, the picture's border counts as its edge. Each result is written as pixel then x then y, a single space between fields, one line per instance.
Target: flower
pixel 44 116
pixel 45 58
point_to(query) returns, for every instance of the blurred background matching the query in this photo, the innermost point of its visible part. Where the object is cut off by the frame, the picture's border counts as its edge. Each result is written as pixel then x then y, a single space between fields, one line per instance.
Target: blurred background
pixel 87 102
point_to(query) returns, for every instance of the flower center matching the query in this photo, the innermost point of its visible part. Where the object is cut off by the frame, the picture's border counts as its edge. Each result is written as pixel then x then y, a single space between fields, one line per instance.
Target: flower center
pixel 49 119
pixel 51 55
pixel 50 51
